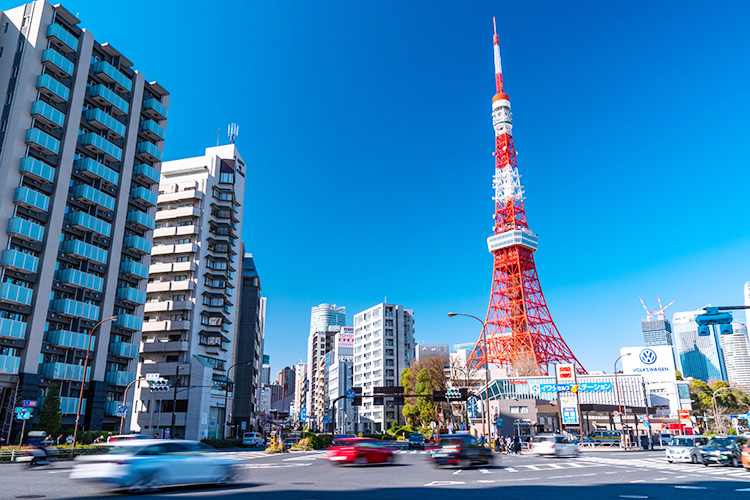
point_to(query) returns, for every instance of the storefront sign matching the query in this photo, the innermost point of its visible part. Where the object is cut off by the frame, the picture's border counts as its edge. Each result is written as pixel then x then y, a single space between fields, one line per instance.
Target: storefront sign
pixel 585 387
pixel 569 410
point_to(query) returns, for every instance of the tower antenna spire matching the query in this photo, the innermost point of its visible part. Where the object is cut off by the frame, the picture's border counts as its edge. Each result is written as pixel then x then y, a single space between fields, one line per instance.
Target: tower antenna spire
pixel 498 61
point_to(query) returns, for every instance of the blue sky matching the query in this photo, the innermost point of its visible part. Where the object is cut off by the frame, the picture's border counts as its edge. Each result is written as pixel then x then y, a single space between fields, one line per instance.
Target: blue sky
pixel 367 132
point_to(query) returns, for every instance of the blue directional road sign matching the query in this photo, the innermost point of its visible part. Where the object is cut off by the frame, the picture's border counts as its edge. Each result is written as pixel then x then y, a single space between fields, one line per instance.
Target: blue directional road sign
pixel 28 403
pixel 122 410
pixel 325 420
pixel 303 414
pixel 350 394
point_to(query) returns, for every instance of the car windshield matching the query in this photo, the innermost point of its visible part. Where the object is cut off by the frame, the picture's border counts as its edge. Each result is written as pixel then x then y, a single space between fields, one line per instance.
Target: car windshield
pixel 343 442
pixel 125 450
pixel 684 441
pixel 416 436
pixel 545 439
pixel 720 443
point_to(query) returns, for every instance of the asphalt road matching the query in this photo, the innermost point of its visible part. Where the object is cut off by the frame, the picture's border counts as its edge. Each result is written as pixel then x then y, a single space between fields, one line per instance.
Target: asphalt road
pixel 308 476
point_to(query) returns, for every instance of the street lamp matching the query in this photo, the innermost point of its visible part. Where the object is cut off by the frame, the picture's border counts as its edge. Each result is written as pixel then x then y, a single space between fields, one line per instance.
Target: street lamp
pixel 485 416
pixel 719 427
pixel 83 381
pixel 617 386
pixel 226 396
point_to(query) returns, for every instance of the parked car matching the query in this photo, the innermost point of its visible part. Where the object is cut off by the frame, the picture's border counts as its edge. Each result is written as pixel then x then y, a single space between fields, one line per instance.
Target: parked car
pixel 416 441
pixel 554 445
pixel 139 465
pixel 360 451
pixel 253 439
pixel 611 437
pixel 685 449
pixel 724 450
pixel 462 450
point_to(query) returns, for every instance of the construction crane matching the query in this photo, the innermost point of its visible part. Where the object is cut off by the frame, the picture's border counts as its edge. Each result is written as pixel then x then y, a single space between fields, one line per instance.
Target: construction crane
pixel 659 313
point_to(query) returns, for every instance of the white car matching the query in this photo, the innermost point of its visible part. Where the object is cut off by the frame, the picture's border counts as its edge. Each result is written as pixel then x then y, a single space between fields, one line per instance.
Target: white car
pixel 253 439
pixel 148 464
pixel 554 445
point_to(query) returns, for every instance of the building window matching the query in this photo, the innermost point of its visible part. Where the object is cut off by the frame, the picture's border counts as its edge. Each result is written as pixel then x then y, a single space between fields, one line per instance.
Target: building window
pixel 20 46
pixel 9 98
pixel 519 409
pixel 15 72
pixel 3 125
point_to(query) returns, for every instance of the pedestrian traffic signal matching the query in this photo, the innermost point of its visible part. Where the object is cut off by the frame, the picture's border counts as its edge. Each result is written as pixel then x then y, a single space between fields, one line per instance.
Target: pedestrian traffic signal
pixel 160 385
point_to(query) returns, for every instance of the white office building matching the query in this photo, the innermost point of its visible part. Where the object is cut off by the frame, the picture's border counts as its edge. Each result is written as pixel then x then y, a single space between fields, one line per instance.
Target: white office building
pixel 326 315
pixel 191 311
pixel 340 370
pixel 737 356
pixel 384 346
pixel 326 320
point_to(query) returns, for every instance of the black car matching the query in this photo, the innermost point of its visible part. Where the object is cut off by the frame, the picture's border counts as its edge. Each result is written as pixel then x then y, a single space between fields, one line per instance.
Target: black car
pixel 725 450
pixel 416 441
pixel 461 450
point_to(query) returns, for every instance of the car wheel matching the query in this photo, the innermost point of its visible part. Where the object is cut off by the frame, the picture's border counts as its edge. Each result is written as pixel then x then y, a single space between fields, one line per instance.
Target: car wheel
pixel 389 459
pixel 464 463
pixel 146 482
pixel 705 462
pixel 226 476
pixel 669 460
pixel 694 459
pixel 361 460
pixel 735 462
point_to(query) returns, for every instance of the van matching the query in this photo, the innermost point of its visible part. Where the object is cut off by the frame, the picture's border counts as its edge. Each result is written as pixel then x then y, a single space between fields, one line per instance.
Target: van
pixel 611 437
pixel 254 439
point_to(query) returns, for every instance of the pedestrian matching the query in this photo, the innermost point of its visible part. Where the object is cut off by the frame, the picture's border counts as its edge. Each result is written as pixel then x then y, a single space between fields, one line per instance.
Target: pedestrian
pixel 498 446
pixel 69 439
pixel 156 435
pixel 59 440
pixel 516 444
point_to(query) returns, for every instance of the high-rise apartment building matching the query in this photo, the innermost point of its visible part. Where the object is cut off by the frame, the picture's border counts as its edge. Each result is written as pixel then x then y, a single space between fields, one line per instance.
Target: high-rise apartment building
pixel 249 349
pixel 656 331
pixel 384 346
pixel 300 390
pixel 736 349
pixel 326 315
pixel 265 370
pixel 340 364
pixel 325 321
pixel 191 313
pixel 81 140
pixel 285 380
pixel 697 356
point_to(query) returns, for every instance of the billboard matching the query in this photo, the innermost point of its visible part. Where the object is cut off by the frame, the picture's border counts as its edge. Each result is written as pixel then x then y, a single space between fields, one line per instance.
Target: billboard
pixel 569 407
pixel 345 338
pixel 655 363
pixel 566 373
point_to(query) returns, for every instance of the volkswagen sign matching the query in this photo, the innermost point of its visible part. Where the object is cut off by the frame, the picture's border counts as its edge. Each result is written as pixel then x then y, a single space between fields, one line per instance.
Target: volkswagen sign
pixel 648 357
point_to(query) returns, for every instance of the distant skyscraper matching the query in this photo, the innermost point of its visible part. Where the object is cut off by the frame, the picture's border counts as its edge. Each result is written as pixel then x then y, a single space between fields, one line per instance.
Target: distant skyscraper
pixel 433 350
pixel 285 379
pixel 656 331
pixel 747 303
pixel 698 356
pixel 326 315
pixel 265 370
pixel 736 350
pixel 325 321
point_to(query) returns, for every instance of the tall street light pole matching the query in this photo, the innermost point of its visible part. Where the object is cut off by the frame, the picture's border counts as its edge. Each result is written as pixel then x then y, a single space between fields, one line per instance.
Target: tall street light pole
pixel 83 380
pixel 226 397
pixel 617 386
pixel 719 427
pixel 485 413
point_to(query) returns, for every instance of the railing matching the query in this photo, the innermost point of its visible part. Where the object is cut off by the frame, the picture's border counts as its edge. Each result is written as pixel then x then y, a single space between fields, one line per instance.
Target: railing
pixel 33 200
pixel 77 278
pixel 96 115
pixel 37 170
pixel 140 218
pixel 57 63
pixel 70 307
pixel 12 328
pixel 65 338
pixel 93 195
pixel 142 245
pixel 155 108
pixel 15 293
pixel 108 72
pixel 67 40
pixel 145 195
pixel 149 149
pixel 101 145
pixel 146 172
pixel 42 141
pixel 98 170
pixel 81 249
pixel 47 114
pixel 108 97
pixel 55 90
pixel 88 222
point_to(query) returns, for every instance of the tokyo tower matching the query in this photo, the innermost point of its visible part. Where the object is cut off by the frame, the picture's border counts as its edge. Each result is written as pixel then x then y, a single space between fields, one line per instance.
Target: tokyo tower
pixel 519 333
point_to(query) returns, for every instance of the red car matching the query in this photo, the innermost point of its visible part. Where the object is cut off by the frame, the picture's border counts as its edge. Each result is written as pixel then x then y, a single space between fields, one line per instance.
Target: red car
pixel 360 451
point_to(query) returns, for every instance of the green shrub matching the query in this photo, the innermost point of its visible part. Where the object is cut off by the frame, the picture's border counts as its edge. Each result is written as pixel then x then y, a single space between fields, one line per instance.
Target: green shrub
pixel 223 444
pixel 321 441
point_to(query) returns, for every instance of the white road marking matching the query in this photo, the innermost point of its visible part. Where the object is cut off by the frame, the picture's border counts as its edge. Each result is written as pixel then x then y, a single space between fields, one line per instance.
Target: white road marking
pixel 444 483
pixel 691 487
pixel 457 472
pixel 510 469
pixel 638 481
pixel 660 478
pixel 485 481
pixel 679 477
pixel 272 466
pixel 633 496
pixel 610 472
pixel 484 471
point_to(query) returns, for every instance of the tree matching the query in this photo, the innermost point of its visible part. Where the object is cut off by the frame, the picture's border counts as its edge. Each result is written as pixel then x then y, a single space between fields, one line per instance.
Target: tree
pixel 50 417
pixel 423 378
pixel 678 374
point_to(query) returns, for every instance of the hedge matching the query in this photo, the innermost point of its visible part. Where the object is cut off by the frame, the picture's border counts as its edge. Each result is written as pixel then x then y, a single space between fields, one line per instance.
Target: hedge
pixel 223 444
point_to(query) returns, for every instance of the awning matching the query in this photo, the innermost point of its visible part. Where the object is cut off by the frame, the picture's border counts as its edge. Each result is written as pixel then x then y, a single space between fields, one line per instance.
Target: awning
pixel 222 378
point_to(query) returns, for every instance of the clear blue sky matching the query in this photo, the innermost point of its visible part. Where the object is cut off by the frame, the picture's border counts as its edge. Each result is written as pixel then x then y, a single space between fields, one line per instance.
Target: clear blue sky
pixel 367 131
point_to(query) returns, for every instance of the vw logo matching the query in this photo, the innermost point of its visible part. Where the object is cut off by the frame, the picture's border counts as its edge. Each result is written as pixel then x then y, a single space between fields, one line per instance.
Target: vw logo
pixel 648 357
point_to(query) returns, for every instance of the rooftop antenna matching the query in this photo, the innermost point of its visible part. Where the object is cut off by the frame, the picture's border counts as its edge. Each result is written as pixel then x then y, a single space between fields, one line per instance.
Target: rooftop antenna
pixel 218 132
pixel 233 132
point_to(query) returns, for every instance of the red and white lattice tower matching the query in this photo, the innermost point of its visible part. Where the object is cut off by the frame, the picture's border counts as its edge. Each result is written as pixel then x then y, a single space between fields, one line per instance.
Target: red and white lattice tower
pixel 520 334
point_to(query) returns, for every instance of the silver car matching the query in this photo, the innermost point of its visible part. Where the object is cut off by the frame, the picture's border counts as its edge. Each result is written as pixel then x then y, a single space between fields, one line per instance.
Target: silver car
pixel 148 464
pixel 554 445
pixel 685 449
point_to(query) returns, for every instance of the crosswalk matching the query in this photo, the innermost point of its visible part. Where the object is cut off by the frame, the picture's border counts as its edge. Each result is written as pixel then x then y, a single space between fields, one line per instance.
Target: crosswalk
pixel 663 467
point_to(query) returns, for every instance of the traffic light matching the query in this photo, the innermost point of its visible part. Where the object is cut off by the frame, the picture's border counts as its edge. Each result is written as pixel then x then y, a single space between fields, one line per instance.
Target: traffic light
pixel 378 401
pixel 453 393
pixel 160 385
pixel 357 401
pixel 495 417
pixel 712 316
pixel 438 396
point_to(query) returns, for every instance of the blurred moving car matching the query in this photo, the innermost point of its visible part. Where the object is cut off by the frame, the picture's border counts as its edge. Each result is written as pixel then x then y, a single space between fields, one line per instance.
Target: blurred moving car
pixel 255 439
pixel 360 451
pixel 685 449
pixel 416 441
pixel 665 438
pixel 139 465
pixel 462 450
pixel 125 437
pixel 724 450
pixel 554 445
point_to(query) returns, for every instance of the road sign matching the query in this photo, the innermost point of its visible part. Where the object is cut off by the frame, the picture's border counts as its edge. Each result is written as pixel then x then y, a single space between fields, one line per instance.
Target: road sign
pixel 122 410
pixel 735 421
pixel 615 413
pixel 440 415
pixel 166 433
pixel 684 414
pixel 645 418
pixel 23 415
pixel 303 414
pixel 152 376
pixel 28 403
pixel 350 394
pixel 326 419
pixel 646 424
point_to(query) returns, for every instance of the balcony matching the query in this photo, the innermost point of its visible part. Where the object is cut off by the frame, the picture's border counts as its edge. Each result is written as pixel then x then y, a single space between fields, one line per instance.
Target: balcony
pixel 65 41
pixel 173 346
pixel 176 231
pixel 173 249
pixel 119 378
pixel 86 222
pixel 102 120
pixel 80 279
pixel 146 173
pixel 65 338
pixel 74 308
pixel 47 114
pixel 42 142
pixel 154 109
pixel 99 145
pixel 135 269
pixel 94 169
pixel 109 74
pixel 69 406
pixel 106 97
pixel 186 194
pixel 124 349
pixel 52 89
pixel 65 371
pixel 149 151
pixel 175 213
pixel 169 305
pixel 57 64
pixel 33 200
pixel 9 365
pixel 12 329
pixel 83 250
pixel 25 229
pixel 140 219
pixel 165 326
pixel 137 244
pixel 143 195
pixel 37 170
pixel 19 261
pixel 152 130
pixel 91 195
pixel 131 295
pixel 170 286
pixel 172 267
pixel 129 322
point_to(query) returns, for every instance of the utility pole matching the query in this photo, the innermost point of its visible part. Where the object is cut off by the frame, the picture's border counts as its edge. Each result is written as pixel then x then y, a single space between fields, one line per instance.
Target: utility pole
pixel 174 400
